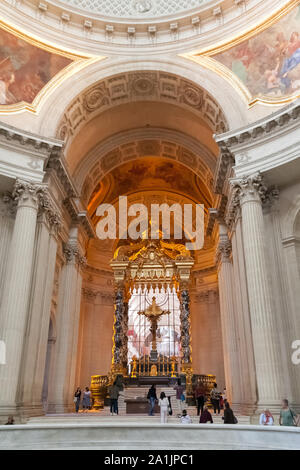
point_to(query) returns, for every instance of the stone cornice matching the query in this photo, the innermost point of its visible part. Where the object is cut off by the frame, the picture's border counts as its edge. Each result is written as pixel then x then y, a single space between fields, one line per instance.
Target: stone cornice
pixel 33 142
pixel 57 162
pixel 84 30
pixel 263 130
pixel 269 127
pixel 80 217
pixel 91 295
pixel 99 272
pixel 206 296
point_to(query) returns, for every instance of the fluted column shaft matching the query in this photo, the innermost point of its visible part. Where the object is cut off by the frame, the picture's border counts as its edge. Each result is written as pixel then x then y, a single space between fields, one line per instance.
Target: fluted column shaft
pixel 39 313
pixel 6 229
pixel 14 307
pixel 245 343
pixel 265 340
pixel 68 312
pixel 228 320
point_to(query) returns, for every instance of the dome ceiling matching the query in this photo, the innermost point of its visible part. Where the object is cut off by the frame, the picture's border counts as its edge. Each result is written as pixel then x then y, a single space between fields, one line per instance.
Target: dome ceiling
pixel 135 9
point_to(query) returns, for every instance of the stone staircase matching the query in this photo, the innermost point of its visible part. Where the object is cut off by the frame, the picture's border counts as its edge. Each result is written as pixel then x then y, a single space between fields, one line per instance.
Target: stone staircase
pixel 138 392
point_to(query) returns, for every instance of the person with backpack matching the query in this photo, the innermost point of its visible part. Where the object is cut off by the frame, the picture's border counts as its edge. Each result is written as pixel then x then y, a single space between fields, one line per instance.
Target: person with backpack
pixel 152 399
pixel 229 417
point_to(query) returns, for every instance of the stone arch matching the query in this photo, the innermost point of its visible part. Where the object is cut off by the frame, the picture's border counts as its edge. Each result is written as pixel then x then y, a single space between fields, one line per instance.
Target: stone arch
pixel 141 85
pixel 135 144
pixel 229 100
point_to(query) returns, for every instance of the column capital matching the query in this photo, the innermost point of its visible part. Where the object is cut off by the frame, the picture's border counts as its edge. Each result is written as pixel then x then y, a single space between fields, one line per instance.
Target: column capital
pixel 27 194
pixel 72 254
pixel 254 188
pixel 224 248
pixel 47 208
pixel 37 197
pixel 7 205
pixel 250 189
pixel 224 251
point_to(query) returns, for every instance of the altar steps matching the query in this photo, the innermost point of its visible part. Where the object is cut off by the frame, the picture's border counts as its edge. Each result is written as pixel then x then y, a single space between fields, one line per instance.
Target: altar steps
pixel 100 417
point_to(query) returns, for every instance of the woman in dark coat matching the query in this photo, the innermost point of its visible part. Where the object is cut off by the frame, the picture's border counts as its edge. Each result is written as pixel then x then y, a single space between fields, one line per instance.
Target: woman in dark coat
pixel 229 417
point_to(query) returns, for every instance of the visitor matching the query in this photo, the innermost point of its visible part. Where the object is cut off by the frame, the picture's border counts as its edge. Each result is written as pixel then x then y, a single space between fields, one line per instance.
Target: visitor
pixel 10 421
pixel 215 398
pixel 229 417
pixel 288 417
pixel 205 416
pixel 163 404
pixel 86 402
pixel 77 396
pixel 266 419
pixel 180 395
pixel 152 399
pixel 185 418
pixel 200 397
pixel 170 411
pixel 114 392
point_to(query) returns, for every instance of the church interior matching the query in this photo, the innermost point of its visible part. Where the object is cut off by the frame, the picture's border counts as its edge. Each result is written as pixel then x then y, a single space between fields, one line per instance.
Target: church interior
pixel 166 103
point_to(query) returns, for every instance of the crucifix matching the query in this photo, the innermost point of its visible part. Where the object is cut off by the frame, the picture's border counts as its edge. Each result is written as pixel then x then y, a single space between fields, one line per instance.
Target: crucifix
pixel 154 314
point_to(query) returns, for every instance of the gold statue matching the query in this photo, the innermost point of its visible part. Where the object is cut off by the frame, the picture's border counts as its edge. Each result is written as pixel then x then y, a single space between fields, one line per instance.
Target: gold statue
pixel 173 372
pixel 153 372
pixel 154 313
pixel 134 367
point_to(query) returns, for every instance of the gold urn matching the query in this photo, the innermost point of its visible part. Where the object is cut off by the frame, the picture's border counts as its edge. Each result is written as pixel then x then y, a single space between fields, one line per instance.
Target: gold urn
pixel 99 390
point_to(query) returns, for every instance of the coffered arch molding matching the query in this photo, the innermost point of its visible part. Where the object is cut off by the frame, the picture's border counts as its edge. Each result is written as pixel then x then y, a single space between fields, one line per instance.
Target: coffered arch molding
pixel 141 86
pixel 134 144
pixel 49 119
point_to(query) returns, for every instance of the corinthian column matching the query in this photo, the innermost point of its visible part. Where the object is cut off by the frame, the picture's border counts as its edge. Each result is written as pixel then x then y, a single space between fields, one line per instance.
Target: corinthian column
pixel 16 292
pixel 251 193
pixel 68 312
pixel 228 318
pixel 36 341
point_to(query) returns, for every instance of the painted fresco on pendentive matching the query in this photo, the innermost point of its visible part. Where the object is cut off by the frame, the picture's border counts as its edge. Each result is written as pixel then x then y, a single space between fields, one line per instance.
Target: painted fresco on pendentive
pixel 269 63
pixel 25 69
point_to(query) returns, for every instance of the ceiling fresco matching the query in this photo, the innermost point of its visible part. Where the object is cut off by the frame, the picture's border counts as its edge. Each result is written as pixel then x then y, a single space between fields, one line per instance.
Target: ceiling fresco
pixel 152 173
pixel 268 64
pixel 25 69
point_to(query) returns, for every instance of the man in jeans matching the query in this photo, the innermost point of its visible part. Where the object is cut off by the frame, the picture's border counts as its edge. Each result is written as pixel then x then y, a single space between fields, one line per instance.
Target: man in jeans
pixel 152 399
pixel 114 392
